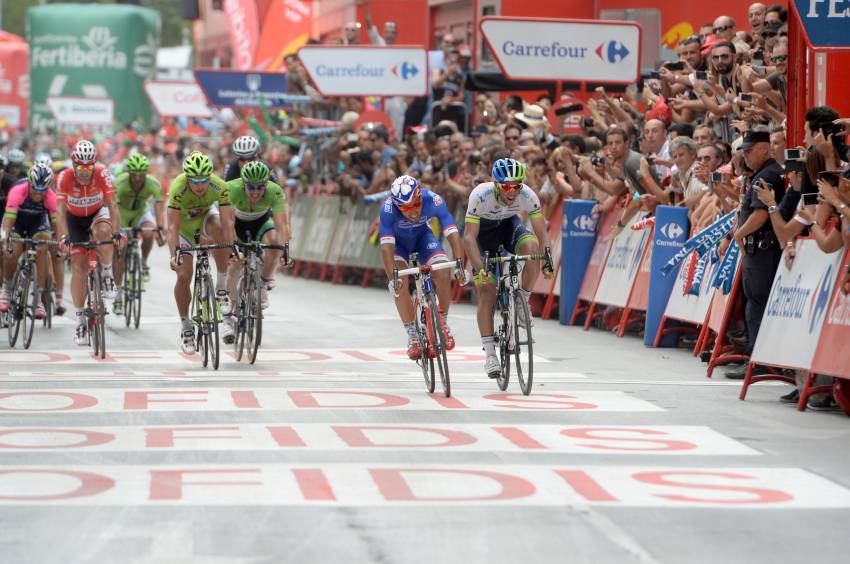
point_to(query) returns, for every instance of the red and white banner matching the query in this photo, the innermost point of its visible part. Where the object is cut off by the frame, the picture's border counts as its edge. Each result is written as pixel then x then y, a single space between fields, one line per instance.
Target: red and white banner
pixel 796 309
pixel 286 28
pixel 833 353
pixel 687 307
pixel 621 268
pixel 177 99
pixel 244 25
pixel 14 83
pixel 596 265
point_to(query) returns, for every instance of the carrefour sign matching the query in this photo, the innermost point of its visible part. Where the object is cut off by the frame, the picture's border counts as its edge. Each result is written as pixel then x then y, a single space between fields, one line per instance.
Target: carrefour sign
pixel 367 71
pixel 576 50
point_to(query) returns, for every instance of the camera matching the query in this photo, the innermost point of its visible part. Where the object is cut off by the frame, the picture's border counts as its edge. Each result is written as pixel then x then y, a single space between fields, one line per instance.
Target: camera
pixel 587 123
pixel 717 177
pixel 677 66
pixel 746 97
pixel 830 176
pixel 701 75
pixel 810 199
pixel 793 154
pixel 596 159
pixel 794 166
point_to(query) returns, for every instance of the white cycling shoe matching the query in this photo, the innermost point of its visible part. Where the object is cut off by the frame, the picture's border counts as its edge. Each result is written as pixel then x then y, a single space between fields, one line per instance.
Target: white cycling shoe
pixel 227 333
pixel 492 366
pixel 187 343
pixel 81 335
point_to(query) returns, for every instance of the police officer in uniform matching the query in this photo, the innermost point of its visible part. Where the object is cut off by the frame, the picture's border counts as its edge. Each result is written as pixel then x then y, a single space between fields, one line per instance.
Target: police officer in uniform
pixel 761 250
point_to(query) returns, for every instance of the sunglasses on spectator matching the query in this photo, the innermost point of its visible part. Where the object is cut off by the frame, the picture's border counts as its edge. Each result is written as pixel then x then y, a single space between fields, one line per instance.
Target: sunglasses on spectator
pixel 779 58
pixel 704 158
pixel 769 33
pixel 82 167
pixel 722 28
pixel 510 186
pixel 254 187
pixel 199 180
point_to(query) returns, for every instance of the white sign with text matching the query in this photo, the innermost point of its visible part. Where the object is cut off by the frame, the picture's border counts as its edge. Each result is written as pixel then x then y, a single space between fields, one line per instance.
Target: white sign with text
pixel 367 71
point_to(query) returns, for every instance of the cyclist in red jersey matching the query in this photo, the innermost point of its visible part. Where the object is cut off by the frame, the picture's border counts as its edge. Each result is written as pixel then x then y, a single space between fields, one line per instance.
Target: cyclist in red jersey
pixel 87 210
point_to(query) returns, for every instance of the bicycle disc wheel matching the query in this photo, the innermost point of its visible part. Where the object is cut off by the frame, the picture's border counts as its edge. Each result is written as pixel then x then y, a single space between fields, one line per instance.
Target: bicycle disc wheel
pixel 17 305
pixel 439 340
pixel 505 335
pixel 523 344
pixel 137 291
pixel 255 317
pixel 212 323
pixel 425 362
pixel 29 311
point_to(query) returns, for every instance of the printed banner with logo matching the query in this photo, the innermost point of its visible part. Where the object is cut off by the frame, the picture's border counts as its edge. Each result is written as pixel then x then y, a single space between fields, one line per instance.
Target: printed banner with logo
pixel 14 83
pixel 578 235
pixel 177 98
pixel 686 306
pixel 797 306
pixel 286 28
pixel 91 51
pixel 243 23
pixel 240 89
pixel 621 268
pixel 367 71
pixel 833 353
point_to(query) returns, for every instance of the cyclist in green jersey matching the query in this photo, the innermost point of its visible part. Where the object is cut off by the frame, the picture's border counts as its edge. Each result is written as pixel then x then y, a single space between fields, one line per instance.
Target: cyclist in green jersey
pixel 198 202
pixel 260 209
pixel 134 190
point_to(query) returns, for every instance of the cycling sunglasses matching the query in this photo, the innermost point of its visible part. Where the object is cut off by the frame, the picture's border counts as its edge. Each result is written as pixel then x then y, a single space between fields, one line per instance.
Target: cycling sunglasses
pixel 510 186
pixel 82 167
pixel 200 180
pixel 411 206
pixel 40 188
pixel 255 187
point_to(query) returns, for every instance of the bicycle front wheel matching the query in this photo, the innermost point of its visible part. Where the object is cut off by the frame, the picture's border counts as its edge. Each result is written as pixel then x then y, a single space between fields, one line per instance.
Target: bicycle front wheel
pixel 505 336
pixel 523 344
pixel 17 305
pixel 99 318
pixel 255 316
pixel 425 362
pixel 127 289
pixel 438 339
pixel 137 289
pixel 199 316
pixel 29 311
pixel 212 321
pixel 239 317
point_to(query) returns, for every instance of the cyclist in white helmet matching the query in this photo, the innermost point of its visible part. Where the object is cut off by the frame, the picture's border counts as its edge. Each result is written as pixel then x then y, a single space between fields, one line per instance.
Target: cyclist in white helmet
pixel 246 149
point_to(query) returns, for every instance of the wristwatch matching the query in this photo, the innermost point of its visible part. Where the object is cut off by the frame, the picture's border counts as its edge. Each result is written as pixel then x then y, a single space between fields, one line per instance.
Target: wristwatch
pixel 771 209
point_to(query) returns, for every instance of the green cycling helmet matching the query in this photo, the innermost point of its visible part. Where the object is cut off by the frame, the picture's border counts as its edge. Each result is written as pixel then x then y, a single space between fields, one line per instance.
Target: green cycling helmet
pixel 255 172
pixel 138 163
pixel 197 164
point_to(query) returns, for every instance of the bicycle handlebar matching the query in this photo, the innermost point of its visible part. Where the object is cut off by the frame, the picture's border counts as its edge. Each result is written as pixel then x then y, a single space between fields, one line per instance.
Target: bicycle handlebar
pixel 517 258
pixel 93 244
pixel 27 241
pixel 423 268
pixel 211 247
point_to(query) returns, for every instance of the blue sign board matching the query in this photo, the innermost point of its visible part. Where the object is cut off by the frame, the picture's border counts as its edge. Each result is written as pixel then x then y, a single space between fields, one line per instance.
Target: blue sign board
pixel 578 235
pixel 243 89
pixel 827 22
pixel 671 232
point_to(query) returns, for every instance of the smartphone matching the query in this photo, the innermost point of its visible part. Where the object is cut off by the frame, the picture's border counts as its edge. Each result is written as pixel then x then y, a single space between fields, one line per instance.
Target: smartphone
pixel 829 176
pixel 717 177
pixel 701 75
pixel 677 66
pixel 571 108
pixel 810 199
pixel 794 166
pixel 793 154
pixel 587 123
pixel 746 97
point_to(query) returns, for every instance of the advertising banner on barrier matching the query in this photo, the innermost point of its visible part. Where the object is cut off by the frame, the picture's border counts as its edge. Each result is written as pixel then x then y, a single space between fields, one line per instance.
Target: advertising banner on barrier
pixel 578 237
pixel 172 98
pixel 356 247
pixel 14 83
pixel 720 302
pixel 687 307
pixel 596 264
pixel 82 111
pixel 797 306
pixel 367 70
pixel 302 210
pixel 544 285
pixel 621 268
pixel 241 89
pixel 833 353
pixel 640 291
pixel 320 229
pixel 671 232
pixel 577 50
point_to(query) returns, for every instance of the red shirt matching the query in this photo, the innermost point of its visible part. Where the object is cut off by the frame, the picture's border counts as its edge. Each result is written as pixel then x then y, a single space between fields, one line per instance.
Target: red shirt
pixel 84 201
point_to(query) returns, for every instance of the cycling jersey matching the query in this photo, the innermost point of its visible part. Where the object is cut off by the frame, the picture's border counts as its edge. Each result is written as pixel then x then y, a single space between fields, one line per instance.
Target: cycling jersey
pixel 84 201
pixel 416 236
pixel 487 208
pixel 132 204
pixel 30 217
pixel 193 208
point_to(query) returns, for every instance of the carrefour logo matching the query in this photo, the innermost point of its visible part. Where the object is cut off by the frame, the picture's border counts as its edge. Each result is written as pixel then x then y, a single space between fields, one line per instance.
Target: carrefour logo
pixel 820 299
pixel 672 230
pixel 612 51
pixel 405 70
pixel 581 226
pixel 788 302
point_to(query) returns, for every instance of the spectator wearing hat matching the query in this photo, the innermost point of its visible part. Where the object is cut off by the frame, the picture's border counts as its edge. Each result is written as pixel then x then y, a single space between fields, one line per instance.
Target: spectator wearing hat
pixel 759 244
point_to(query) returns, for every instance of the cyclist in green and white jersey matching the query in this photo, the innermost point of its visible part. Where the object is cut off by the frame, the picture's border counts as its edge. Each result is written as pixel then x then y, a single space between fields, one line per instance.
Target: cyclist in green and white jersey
pixel 198 202
pixel 135 189
pixel 260 209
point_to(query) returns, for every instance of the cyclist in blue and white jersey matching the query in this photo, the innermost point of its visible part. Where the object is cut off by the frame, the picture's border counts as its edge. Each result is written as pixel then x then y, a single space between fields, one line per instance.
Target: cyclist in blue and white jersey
pixel 406 228
pixel 493 221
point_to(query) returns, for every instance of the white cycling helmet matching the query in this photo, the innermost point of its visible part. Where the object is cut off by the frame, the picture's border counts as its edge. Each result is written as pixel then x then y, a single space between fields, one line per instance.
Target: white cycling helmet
pixel 246 147
pixel 43 158
pixel 84 152
pixel 16 157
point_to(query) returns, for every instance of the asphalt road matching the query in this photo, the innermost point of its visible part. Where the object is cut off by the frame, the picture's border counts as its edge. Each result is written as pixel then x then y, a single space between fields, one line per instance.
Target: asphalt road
pixel 329 449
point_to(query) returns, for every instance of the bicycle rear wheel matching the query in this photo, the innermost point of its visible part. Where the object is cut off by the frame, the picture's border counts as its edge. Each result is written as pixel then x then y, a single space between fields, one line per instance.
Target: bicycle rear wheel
pixel 523 344
pixel 438 338
pixel 425 362
pixel 29 309
pixel 198 318
pixel 137 290
pixel 127 288
pixel 212 321
pixel 255 316
pixel 47 300
pixel 17 305
pixel 239 318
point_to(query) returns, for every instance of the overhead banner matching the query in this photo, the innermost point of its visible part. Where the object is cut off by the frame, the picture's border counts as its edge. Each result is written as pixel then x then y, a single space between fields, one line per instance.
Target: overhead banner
pixel 177 99
pixel 797 306
pixel 367 70
pixel 286 28
pixel 244 26
pixel 82 111
pixel 14 83
pixel 575 50
pixel 825 22
pixel 239 89
pixel 92 51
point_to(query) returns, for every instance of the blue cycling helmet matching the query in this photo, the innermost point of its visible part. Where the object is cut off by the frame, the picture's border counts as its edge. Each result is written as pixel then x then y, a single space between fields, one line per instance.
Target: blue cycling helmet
pixel 406 191
pixel 508 170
